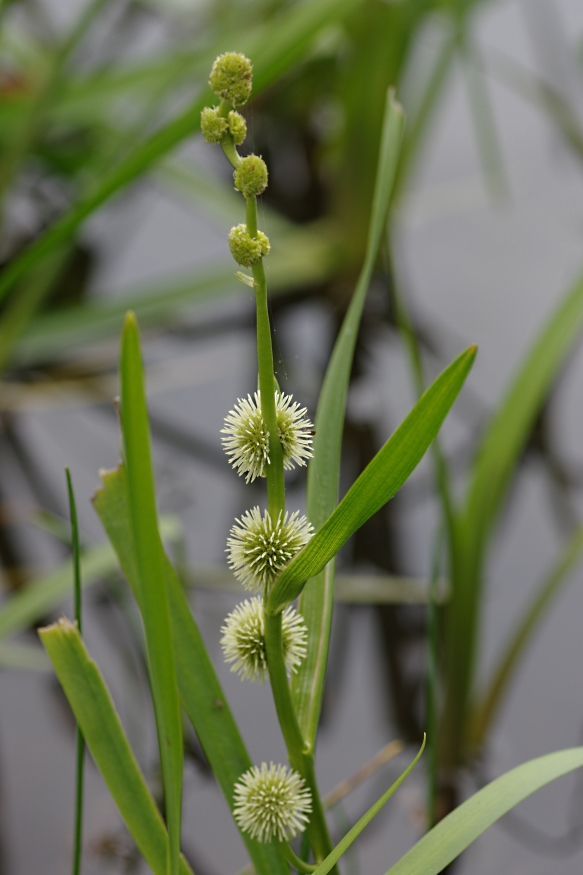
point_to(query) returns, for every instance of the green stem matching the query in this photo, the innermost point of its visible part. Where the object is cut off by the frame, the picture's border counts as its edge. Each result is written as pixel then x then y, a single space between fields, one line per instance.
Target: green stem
pixel 300 756
pixel 80 757
pixel 297 862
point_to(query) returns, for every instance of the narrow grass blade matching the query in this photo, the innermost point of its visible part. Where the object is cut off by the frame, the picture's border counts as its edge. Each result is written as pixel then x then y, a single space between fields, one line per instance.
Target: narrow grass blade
pixel 96 715
pixel 200 690
pixel 380 480
pixel 496 460
pixel 458 830
pixel 489 703
pixel 506 434
pixel 324 469
pixel 432 680
pixel 273 50
pixel 78 835
pixel 364 821
pixel 152 595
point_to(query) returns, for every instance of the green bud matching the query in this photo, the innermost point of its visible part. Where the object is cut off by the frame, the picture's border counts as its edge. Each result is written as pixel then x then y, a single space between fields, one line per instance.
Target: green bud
pixel 231 76
pixel 245 249
pixel 251 176
pixel 213 126
pixel 237 127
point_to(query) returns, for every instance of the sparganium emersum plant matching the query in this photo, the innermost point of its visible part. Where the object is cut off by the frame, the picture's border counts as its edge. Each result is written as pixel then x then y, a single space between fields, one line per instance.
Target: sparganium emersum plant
pixel 277 553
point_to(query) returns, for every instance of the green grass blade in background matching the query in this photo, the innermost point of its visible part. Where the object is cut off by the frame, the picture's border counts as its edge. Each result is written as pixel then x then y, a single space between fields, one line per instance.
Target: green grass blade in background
pixel 324 469
pixel 202 695
pixel 43 595
pixel 152 594
pixel 96 715
pixel 458 830
pixel 506 434
pixel 274 49
pixel 25 657
pixel 304 256
pixel 364 821
pixel 496 459
pixel 377 484
pixel 489 703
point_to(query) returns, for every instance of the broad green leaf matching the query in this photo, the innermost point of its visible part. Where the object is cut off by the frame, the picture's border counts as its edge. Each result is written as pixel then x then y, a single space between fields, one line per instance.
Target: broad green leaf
pixel 273 50
pixel 496 460
pixel 43 595
pixel 457 831
pixel 324 469
pixel 377 484
pixel 202 695
pixel 488 704
pixel 152 595
pixel 95 713
pixel 364 821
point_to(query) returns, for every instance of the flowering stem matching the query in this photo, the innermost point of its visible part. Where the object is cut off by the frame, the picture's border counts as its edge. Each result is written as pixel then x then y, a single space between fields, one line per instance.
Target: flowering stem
pixel 274 470
pixel 299 864
pixel 300 756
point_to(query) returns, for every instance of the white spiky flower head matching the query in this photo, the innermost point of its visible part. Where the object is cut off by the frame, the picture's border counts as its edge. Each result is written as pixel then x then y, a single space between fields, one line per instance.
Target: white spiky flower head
pixel 271 802
pixel 258 548
pixel 243 640
pixel 246 440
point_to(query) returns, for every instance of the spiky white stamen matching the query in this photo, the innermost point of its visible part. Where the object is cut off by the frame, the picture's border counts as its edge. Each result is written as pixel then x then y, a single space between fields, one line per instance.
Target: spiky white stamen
pixel 246 440
pixel 258 548
pixel 271 802
pixel 243 640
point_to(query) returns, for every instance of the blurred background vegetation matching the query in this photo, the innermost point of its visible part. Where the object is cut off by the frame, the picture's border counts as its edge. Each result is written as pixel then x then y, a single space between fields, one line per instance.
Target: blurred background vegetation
pixel 99 115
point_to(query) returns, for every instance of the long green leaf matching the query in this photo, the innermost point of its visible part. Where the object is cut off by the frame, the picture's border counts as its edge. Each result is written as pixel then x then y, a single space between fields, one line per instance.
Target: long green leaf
pixel 364 821
pixel 496 460
pixel 323 472
pixel 152 595
pixel 521 637
pixel 200 690
pixel 506 435
pixel 454 833
pixel 273 50
pixel 96 715
pixel 380 480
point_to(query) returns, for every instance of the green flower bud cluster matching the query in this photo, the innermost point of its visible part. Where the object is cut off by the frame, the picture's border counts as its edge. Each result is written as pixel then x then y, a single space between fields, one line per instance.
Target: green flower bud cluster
pixel 214 126
pixel 245 249
pixel 231 78
pixel 251 176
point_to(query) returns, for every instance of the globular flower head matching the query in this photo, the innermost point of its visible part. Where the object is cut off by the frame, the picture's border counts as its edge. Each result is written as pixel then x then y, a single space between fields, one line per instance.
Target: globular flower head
pixel 271 802
pixel 243 640
pixel 213 126
pixel 251 176
pixel 237 127
pixel 258 547
pixel 246 440
pixel 231 78
pixel 245 249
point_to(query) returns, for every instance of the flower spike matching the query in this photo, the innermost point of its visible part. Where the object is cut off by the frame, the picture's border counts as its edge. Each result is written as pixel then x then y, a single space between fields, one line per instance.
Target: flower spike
pixel 246 440
pixel 243 640
pixel 258 548
pixel 271 802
